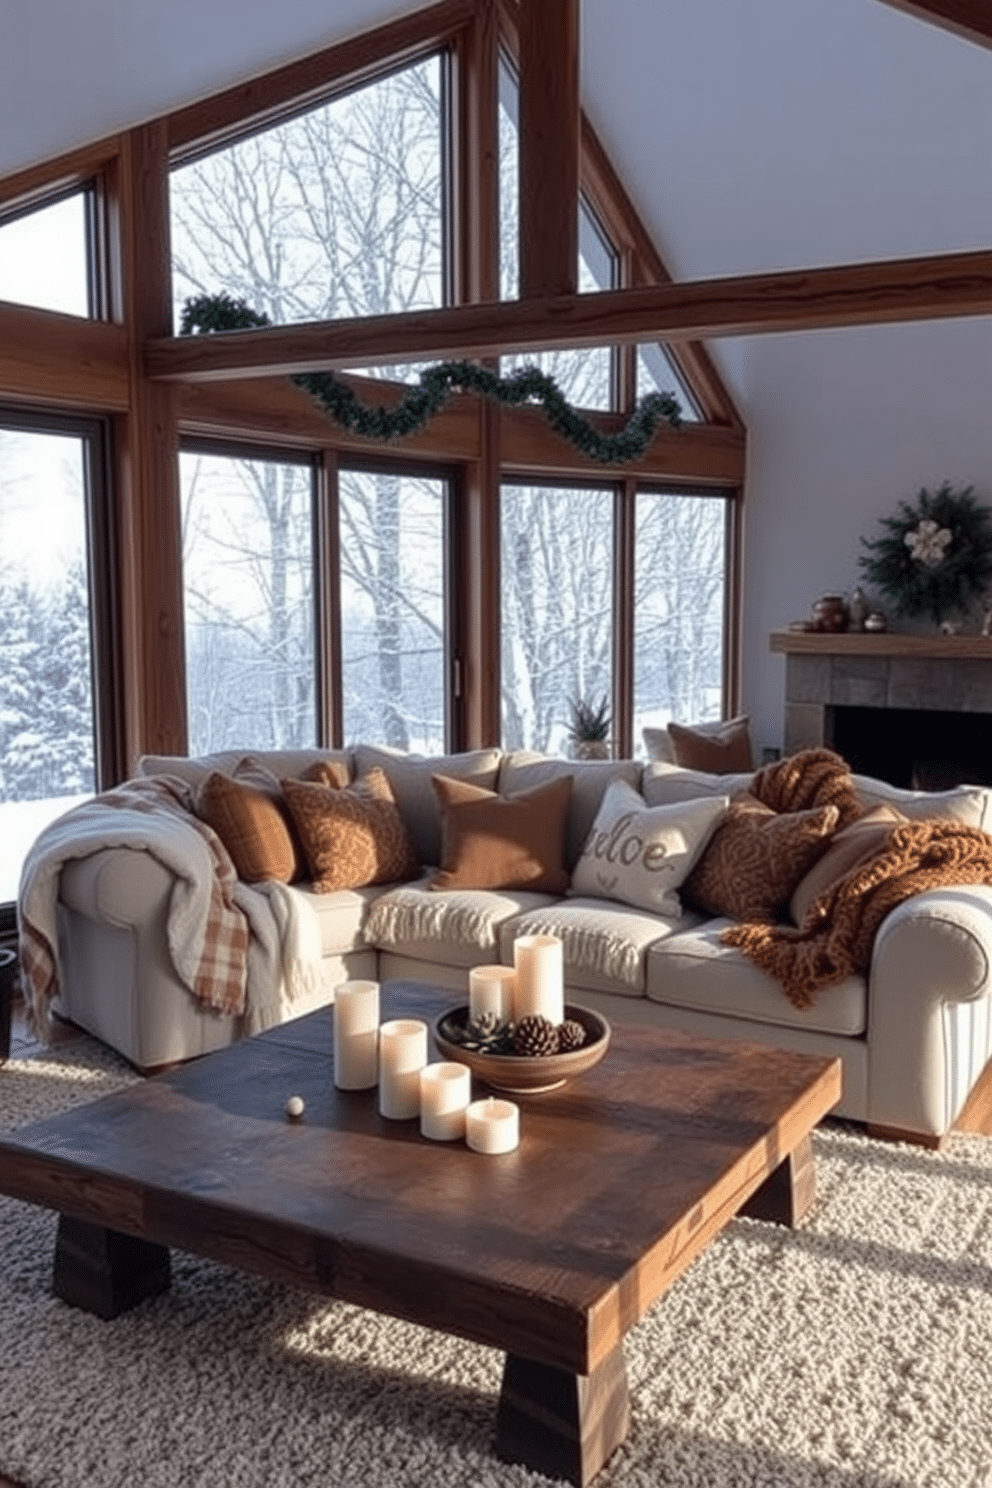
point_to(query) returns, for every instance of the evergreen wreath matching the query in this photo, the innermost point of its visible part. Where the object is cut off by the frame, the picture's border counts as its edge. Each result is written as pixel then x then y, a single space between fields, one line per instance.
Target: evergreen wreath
pixel 420 403
pixel 936 555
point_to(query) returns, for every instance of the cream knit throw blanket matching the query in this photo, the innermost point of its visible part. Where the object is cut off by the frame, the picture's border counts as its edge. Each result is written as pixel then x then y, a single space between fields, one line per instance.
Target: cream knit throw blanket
pixel 244 950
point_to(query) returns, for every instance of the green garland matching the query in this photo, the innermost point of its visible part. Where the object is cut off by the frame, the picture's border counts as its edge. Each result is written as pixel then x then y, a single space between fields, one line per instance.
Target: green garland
pixel 936 556
pixel 420 403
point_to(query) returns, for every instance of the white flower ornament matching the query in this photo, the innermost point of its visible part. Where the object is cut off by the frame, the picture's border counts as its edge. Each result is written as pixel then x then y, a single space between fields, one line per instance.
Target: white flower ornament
pixel 928 543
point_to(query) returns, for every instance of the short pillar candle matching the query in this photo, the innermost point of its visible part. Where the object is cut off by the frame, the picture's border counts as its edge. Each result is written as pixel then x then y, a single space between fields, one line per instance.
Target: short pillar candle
pixel 539 962
pixel 490 990
pixel 492 1126
pixel 402 1055
pixel 356 1035
pixel 445 1092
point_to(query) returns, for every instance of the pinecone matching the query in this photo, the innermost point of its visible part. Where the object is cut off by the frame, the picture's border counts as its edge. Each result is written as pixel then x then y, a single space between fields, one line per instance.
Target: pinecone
pixel 571 1036
pixel 535 1035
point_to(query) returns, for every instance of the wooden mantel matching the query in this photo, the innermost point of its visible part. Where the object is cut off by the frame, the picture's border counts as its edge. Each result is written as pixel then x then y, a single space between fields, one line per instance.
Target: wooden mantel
pixel 882 643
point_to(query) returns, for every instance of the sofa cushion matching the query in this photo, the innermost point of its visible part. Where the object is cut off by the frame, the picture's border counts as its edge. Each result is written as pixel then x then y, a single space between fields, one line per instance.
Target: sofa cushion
pixel 251 825
pixel 522 770
pixel 755 859
pixel 857 842
pixel 641 854
pixel 719 748
pixel 457 926
pixel 342 916
pixel 694 970
pixel 969 804
pixel 663 785
pixel 409 775
pixel 490 841
pixel 604 943
pixel 279 762
pixel 353 836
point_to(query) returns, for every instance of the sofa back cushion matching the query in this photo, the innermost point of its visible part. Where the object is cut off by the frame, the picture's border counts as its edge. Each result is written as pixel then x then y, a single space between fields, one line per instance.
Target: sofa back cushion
pixel 489 841
pixel 352 837
pixel 664 785
pixel 969 804
pixel 280 762
pixel 522 770
pixel 409 776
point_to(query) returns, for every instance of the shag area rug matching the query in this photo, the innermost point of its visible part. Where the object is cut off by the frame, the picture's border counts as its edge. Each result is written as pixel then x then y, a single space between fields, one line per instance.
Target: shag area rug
pixel 853 1353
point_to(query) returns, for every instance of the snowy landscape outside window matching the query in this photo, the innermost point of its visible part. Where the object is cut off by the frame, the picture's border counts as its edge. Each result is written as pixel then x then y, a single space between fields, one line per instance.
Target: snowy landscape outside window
pixel 47 745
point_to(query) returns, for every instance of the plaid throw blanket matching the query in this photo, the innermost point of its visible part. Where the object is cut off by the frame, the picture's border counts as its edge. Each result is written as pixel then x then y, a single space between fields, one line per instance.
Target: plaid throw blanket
pixel 240 950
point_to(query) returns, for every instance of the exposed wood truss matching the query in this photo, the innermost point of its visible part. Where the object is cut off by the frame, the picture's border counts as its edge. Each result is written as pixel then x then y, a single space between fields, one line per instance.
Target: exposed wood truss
pixel 857 294
pixel 971 19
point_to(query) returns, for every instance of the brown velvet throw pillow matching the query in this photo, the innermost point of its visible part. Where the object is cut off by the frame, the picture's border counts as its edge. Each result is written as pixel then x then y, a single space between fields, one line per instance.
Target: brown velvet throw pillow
pixel 851 847
pixel 251 826
pixel 717 749
pixel 489 841
pixel 353 836
pixel 755 859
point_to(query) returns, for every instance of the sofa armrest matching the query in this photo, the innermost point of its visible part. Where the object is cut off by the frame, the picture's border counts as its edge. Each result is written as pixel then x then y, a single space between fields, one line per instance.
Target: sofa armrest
pixel 121 886
pixel 930 994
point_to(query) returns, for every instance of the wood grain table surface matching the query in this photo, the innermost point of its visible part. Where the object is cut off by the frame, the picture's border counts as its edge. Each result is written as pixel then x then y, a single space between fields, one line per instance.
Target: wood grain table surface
pixel 551 1252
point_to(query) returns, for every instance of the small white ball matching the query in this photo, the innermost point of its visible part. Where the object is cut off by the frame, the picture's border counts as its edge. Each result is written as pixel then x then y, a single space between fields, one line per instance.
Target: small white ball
pixel 295 1107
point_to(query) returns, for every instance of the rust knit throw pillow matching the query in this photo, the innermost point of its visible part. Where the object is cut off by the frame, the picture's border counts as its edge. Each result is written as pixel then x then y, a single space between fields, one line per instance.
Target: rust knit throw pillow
pixel 490 841
pixel 755 859
pixel 353 836
pixel 251 826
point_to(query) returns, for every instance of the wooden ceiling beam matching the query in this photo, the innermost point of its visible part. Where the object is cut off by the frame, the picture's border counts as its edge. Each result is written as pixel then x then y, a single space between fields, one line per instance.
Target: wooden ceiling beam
pixel 971 19
pixel 549 147
pixel 958 284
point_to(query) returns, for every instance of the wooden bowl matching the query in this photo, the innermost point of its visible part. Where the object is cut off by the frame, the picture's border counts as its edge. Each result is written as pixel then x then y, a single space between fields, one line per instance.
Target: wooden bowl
pixel 523 1074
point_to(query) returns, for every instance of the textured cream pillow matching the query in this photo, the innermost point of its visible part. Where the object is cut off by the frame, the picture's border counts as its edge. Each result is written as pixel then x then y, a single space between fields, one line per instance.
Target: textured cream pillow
pixel 755 859
pixel 641 854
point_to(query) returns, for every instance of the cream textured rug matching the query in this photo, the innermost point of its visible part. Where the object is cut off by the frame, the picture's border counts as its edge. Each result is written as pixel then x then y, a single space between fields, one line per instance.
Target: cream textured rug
pixel 855 1353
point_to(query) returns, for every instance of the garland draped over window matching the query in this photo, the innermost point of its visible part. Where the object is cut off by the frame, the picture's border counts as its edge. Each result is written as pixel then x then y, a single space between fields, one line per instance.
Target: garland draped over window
pixel 420 403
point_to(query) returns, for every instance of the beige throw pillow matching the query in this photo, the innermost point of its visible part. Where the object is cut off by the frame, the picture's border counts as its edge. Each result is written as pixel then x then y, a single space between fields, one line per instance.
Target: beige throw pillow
pixel 755 859
pixel 851 847
pixel 353 836
pixel 490 841
pixel 641 854
pixel 251 826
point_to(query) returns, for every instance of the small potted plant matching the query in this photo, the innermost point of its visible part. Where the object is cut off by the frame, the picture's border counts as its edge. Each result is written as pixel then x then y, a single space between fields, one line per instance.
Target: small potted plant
pixel 589 729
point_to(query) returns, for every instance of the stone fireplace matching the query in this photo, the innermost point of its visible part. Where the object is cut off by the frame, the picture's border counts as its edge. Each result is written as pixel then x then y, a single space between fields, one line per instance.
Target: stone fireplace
pixel 913 710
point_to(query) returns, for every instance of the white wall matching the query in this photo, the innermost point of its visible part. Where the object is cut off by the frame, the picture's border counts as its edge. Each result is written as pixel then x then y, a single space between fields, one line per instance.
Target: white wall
pixel 842 426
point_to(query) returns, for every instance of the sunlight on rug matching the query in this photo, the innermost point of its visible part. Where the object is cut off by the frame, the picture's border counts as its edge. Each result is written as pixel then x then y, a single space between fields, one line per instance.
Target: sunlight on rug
pixel 854 1353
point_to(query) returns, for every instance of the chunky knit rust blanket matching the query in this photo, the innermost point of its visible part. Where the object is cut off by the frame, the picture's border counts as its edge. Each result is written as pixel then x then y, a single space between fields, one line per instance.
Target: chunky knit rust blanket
pixel 814 777
pixel 836 938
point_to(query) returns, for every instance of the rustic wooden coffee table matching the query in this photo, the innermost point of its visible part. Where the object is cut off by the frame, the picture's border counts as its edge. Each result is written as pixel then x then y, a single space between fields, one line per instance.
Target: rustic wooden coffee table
pixel 551 1252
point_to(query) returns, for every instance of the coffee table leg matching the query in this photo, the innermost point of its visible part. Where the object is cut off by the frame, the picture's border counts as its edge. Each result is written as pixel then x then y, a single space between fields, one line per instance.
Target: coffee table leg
pixel 105 1272
pixel 561 1424
pixel 787 1194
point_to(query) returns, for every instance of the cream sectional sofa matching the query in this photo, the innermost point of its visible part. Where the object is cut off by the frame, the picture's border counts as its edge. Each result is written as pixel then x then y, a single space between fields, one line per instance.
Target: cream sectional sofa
pixel 914 1036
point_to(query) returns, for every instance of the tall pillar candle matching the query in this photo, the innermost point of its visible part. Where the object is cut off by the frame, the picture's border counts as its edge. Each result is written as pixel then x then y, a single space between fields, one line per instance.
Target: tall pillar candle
pixel 492 1126
pixel 445 1092
pixel 490 990
pixel 540 988
pixel 356 1035
pixel 402 1055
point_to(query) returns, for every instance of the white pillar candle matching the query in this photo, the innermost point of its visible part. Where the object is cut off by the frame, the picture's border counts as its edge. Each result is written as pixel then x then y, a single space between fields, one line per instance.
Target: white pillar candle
pixel 492 1125
pixel 445 1091
pixel 402 1055
pixel 356 1035
pixel 490 990
pixel 539 962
